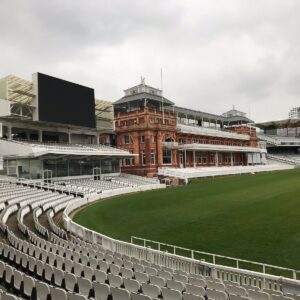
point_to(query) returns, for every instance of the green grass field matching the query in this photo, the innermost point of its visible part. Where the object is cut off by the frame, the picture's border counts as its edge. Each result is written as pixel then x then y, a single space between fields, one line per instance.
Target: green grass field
pixel 254 217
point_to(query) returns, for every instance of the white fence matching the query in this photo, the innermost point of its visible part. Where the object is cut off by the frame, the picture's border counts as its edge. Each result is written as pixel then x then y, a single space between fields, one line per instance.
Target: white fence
pixel 237 262
pixel 187 173
pixel 283 159
pixel 170 260
pixel 199 130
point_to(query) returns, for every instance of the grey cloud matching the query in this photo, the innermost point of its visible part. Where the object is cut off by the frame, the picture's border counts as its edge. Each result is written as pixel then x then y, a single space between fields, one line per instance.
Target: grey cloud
pixel 214 53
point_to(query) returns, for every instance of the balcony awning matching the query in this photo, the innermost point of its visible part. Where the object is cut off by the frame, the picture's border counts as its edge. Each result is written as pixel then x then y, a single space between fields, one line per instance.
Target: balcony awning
pixel 212 148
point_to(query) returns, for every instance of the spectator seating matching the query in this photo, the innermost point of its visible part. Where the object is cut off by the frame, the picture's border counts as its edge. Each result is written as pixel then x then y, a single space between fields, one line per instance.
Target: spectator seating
pixel 43 261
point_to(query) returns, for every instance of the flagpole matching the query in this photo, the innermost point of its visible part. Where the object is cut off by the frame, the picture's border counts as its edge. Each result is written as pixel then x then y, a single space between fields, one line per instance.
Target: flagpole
pixel 162 97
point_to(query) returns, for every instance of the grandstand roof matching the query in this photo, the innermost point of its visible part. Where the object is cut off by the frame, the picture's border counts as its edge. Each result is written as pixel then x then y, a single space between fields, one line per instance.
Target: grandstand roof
pixel 207 116
pixel 104 109
pixel 142 96
pixel 25 149
pixel 283 123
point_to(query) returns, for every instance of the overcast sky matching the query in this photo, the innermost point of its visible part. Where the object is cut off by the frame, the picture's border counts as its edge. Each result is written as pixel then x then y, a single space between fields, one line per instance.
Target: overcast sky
pixel 214 54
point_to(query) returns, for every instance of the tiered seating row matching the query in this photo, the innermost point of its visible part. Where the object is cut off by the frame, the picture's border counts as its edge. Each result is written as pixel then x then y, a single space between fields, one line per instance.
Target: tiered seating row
pixel 65 267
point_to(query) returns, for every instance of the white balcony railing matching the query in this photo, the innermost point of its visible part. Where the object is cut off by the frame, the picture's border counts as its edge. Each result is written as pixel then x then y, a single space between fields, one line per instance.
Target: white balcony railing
pixel 198 130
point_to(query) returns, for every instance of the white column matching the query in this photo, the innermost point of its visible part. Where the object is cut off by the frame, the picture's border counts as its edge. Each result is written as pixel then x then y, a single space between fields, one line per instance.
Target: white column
pixel 9 130
pixel 217 159
pixel 231 159
pixel 194 158
pixel 40 135
pixel 69 138
pixel 97 137
pixel 185 158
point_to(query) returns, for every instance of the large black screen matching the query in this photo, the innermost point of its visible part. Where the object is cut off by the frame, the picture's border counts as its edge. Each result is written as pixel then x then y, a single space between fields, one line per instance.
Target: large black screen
pixel 61 101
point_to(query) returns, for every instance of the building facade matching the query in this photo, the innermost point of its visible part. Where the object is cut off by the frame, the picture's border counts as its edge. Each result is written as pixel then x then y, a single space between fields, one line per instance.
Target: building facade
pixel 294 113
pixel 33 146
pixel 164 135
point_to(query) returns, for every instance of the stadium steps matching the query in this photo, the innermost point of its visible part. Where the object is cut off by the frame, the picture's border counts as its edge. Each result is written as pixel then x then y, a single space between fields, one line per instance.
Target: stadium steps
pixel 64 270
pixel 284 160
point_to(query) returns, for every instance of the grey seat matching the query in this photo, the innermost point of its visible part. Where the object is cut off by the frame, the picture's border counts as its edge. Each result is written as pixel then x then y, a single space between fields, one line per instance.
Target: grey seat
pixel 140 297
pixel 175 285
pixel 236 290
pixel 127 273
pixel 187 296
pixel 108 258
pixel 118 262
pixel 165 274
pixel 48 273
pixel 93 262
pixel 42 290
pixel 78 269
pixel 59 276
pixel 169 294
pixel 51 259
pixel 12 254
pixel 181 278
pixel 68 265
pixel 40 268
pixel 131 285
pixel 257 295
pixel 115 280
pixel 197 281
pixel 18 280
pixel 18 259
pixel 88 272
pixel 141 277
pixel 114 269
pixel 2 268
pixel 72 296
pixel 6 296
pixel 70 282
pixel 103 266
pixel 138 268
pixel 195 290
pixel 128 264
pixel 100 276
pixel 218 295
pixel 59 262
pixel 280 297
pixel 101 290
pixel 28 285
pixel 237 297
pixel 84 259
pixel 120 294
pixel 24 260
pixel 212 285
pixel 84 286
pixel 9 273
pixel 151 290
pixel 76 256
pixel 31 264
pixel 151 271
pixel 161 282
pixel 58 294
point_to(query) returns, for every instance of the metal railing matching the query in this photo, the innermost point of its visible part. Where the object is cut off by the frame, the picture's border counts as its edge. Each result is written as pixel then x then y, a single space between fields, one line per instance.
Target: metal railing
pixel 283 159
pixel 192 129
pixel 189 173
pixel 177 261
pixel 237 262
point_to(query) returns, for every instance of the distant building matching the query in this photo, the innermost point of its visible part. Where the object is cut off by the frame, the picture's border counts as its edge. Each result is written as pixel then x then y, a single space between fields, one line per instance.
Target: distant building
pixel 161 134
pixel 234 113
pixel 294 113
